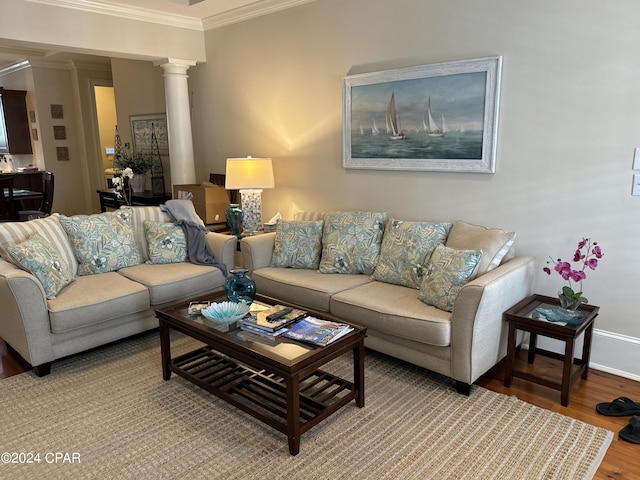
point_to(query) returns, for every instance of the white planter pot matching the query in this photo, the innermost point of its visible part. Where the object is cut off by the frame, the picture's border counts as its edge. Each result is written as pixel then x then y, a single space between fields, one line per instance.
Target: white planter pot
pixel 137 183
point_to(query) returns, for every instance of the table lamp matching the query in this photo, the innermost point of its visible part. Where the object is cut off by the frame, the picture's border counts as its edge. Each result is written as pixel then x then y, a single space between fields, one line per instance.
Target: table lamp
pixel 250 176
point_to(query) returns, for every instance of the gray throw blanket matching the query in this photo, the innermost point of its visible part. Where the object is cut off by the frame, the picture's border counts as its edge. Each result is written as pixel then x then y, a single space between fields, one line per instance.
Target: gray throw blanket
pixel 182 213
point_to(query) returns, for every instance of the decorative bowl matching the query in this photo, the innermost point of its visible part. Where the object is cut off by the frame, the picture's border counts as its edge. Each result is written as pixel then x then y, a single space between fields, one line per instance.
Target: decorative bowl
pixel 225 313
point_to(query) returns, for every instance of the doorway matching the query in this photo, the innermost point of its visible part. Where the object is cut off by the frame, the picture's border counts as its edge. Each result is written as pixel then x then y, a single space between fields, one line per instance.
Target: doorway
pixel 105 105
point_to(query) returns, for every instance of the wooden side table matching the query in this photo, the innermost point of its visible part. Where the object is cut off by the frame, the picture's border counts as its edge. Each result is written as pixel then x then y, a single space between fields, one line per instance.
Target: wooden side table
pixel 109 199
pixel 525 317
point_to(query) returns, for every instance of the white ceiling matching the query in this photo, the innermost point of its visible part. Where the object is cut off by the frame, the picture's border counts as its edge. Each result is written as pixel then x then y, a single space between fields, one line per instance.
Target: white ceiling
pixel 209 13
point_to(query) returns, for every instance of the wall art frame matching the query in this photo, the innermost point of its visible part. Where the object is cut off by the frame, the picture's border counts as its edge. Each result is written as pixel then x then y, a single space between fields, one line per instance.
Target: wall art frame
pixel 141 132
pixel 441 117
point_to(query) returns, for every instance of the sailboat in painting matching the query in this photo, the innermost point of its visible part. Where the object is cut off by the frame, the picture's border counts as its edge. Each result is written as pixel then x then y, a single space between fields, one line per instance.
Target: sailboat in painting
pixel 393 124
pixel 374 129
pixel 429 124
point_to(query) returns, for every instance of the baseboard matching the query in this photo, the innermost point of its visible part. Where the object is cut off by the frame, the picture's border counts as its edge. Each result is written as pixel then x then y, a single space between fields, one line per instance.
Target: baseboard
pixel 610 352
pixel 616 354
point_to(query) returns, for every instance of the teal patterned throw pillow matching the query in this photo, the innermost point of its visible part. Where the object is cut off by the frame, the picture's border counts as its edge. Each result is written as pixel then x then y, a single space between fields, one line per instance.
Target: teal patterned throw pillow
pixel 103 242
pixel 406 247
pixel 351 242
pixel 36 256
pixel 448 271
pixel 297 244
pixel 166 242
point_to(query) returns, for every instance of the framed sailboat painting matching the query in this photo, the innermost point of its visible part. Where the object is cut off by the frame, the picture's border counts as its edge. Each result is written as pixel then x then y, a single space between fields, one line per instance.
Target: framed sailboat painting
pixel 441 117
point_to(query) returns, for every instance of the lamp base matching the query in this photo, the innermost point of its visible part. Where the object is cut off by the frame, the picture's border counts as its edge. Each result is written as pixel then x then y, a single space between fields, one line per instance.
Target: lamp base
pixel 251 201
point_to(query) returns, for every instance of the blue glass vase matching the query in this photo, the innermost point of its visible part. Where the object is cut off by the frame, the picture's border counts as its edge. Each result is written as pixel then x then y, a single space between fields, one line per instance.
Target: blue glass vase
pixel 235 217
pixel 239 287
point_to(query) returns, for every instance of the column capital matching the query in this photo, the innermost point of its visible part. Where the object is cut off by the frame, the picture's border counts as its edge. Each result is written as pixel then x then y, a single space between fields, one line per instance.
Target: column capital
pixel 174 65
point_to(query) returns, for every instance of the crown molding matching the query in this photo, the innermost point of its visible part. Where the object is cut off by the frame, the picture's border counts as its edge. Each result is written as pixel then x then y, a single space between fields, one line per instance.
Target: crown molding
pixel 14 67
pixel 256 9
pixel 105 7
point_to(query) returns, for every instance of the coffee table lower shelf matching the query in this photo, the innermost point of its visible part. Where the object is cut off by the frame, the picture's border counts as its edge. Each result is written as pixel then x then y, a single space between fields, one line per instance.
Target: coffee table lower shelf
pixel 265 395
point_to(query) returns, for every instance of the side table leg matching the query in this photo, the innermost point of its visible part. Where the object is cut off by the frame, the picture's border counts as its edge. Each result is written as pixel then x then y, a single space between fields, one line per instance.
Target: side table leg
pixel 586 351
pixel 358 372
pixel 533 343
pixel 511 356
pixel 165 350
pixel 293 414
pixel 566 372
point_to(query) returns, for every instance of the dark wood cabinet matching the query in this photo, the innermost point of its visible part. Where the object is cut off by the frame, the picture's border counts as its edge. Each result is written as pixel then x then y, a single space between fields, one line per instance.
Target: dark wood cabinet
pixel 15 137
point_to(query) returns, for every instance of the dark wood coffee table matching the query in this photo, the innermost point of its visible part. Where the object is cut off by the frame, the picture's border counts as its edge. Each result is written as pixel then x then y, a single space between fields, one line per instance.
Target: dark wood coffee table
pixel 280 385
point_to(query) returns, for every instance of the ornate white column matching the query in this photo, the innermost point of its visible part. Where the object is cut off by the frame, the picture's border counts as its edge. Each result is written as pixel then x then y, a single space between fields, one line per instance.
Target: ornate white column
pixel 176 90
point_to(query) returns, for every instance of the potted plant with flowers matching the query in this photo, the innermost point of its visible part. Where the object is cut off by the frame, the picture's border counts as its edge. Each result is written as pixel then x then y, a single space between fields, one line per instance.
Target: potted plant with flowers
pixel 138 164
pixel 586 256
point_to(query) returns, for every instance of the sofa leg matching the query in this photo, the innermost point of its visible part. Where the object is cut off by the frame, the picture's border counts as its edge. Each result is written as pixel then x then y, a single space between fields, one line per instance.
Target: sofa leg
pixel 463 388
pixel 44 369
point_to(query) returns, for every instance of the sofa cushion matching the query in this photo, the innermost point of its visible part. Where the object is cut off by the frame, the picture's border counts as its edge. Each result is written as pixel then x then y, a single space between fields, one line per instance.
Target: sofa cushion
pixel 38 257
pixel 297 244
pixel 94 299
pixel 142 214
pixel 406 247
pixel 448 271
pixel 175 281
pixel 48 228
pixel 308 288
pixel 166 242
pixel 351 242
pixel 494 243
pixel 102 242
pixel 393 310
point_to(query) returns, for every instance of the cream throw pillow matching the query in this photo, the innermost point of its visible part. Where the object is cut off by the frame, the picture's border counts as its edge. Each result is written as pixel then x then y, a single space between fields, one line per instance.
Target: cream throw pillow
pixel 494 243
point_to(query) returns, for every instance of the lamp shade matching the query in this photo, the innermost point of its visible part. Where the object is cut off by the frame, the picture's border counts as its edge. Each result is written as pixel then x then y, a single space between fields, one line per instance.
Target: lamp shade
pixel 249 173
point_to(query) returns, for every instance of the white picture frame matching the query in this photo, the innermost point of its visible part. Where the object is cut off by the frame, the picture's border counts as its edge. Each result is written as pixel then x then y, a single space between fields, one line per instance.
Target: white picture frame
pixel 462 99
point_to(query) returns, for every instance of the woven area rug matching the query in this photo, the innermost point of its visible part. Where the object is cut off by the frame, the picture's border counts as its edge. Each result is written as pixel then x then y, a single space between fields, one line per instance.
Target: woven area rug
pixel 113 416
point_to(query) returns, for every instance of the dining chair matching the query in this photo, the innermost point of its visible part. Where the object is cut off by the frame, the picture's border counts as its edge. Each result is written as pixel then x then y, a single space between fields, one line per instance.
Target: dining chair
pixel 7 206
pixel 47 200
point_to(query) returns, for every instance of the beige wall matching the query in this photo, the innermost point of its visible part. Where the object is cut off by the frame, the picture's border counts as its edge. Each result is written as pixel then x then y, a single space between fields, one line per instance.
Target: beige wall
pixel 139 87
pixel 568 121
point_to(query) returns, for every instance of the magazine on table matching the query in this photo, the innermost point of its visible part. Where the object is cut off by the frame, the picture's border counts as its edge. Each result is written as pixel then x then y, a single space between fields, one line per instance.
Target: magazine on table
pixel 249 327
pixel 316 331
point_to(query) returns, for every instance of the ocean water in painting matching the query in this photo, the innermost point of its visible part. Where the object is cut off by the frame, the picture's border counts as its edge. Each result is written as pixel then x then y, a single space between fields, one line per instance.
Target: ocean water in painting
pixel 424 118
pixel 453 145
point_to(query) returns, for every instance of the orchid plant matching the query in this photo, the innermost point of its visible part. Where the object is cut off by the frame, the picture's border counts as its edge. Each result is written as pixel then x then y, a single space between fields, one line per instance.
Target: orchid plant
pixel 122 188
pixel 586 256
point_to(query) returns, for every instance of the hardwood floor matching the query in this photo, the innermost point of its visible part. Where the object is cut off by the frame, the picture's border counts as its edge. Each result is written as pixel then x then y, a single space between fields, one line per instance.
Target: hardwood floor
pixel 622 460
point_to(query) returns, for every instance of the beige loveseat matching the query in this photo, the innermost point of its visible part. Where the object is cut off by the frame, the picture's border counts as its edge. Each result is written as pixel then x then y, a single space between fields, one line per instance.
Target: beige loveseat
pixel 461 344
pixel 43 324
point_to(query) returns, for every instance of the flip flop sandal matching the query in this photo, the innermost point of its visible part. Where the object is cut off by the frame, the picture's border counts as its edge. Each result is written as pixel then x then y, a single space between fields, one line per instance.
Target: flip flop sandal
pixel 631 433
pixel 620 407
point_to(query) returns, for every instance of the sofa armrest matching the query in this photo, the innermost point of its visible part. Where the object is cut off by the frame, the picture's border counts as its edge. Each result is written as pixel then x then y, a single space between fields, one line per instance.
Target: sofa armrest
pixel 223 247
pixel 24 323
pixel 479 335
pixel 256 250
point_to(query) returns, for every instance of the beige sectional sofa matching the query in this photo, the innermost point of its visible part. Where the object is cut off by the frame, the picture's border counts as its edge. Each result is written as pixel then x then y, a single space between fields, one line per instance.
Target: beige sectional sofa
pixel 115 294
pixel 393 294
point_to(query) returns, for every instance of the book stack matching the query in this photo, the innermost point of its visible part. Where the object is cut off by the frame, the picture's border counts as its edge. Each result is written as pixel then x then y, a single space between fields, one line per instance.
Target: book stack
pixel 316 331
pixel 272 322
